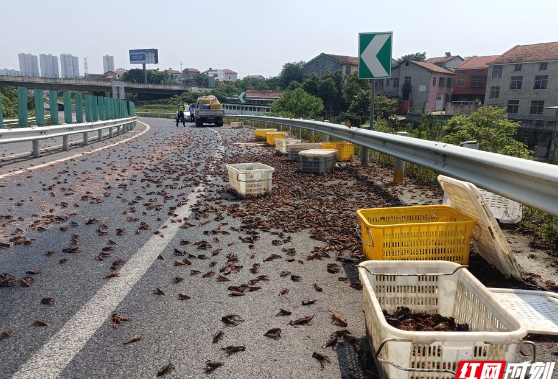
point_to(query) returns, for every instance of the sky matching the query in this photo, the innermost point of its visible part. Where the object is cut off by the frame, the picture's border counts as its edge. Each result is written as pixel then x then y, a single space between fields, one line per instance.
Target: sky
pixel 259 37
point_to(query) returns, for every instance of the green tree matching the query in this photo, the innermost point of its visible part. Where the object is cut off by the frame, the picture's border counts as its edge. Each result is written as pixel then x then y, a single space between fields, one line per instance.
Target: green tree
pixel 298 104
pixel 384 107
pixel 293 85
pixel 200 80
pixel 421 57
pixel 352 88
pixel 312 84
pixel 327 90
pixel 135 75
pixel 490 127
pixel 9 102
pixel 291 71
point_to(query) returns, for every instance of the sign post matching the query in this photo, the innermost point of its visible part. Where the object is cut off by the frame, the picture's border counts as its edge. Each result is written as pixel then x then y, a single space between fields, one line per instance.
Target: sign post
pixel 241 99
pixel 144 56
pixel 374 62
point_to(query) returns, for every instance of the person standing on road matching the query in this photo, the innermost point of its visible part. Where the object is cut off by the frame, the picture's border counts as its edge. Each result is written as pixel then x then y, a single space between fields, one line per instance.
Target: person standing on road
pixel 180 115
pixel 192 113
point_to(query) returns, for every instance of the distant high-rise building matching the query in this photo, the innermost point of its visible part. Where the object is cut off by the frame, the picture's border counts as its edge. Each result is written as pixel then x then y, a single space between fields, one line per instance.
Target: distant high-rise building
pixel 108 63
pixel 49 66
pixel 9 72
pixel 28 64
pixel 69 66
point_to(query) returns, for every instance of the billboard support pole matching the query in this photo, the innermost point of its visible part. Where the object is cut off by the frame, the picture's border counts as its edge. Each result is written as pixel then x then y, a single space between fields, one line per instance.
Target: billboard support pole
pixel 144 74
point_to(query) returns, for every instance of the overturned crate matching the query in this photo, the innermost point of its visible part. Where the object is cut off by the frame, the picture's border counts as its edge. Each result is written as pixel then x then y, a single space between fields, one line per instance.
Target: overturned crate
pixel 345 150
pixel 260 134
pixel 282 143
pixel 434 287
pixel 250 179
pixel 293 150
pixel 317 161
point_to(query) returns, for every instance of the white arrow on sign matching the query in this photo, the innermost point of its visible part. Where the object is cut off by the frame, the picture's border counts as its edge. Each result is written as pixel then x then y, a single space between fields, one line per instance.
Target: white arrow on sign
pixel 369 55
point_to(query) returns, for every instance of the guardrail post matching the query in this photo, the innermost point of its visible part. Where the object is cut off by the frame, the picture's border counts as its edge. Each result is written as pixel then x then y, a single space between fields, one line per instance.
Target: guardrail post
pixel 85 139
pixel 311 138
pixel 470 145
pixel 39 107
pixel 299 133
pixel 99 135
pixel 67 107
pixel 79 108
pixel 110 132
pixel 22 106
pixel 118 130
pixel 53 101
pixel 65 144
pixel 399 166
pixel 1 114
pixel 35 148
pixel 326 137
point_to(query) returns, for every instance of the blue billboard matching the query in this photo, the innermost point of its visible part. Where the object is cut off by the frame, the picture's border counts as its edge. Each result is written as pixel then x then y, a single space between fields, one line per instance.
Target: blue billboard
pixel 148 56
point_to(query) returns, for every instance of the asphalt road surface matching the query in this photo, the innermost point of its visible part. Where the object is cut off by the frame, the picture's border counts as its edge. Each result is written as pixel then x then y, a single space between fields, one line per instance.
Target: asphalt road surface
pixel 124 262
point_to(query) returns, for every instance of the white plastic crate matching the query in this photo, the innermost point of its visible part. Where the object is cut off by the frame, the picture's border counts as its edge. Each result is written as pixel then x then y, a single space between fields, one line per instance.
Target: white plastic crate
pixel 317 161
pixel 434 287
pixel 250 179
pixel 294 149
pixel 282 143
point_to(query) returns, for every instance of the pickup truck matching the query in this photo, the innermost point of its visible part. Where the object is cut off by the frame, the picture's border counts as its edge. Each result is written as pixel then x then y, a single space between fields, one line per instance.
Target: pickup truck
pixel 206 115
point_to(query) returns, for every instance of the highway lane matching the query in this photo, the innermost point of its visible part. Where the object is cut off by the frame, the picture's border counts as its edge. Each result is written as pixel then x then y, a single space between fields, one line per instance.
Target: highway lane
pixel 146 179
pixel 173 181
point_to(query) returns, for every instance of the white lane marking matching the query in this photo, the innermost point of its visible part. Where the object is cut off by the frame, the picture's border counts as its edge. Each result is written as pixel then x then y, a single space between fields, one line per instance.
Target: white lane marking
pixel 78 155
pixel 58 352
pixel 61 348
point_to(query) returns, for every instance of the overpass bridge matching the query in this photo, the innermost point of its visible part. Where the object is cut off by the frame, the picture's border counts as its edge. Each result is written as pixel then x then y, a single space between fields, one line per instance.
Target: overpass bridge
pixel 90 85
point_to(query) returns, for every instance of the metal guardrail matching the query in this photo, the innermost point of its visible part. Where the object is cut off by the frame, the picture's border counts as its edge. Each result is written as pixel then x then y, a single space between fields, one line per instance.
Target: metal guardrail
pixel 36 133
pixel 528 182
pixel 15 121
pixel 156 114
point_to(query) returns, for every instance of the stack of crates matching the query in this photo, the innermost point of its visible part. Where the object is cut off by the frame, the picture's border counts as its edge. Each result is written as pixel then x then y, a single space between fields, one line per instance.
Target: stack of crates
pixel 345 150
pixel 317 161
pixel 294 149
pixel 282 143
pixel 260 134
pixel 272 136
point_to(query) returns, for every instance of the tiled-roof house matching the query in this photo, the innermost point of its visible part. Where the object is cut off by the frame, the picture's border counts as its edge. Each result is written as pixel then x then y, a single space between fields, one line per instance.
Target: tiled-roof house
pixel 330 62
pixel 447 61
pixel 524 80
pixel 470 79
pixel 431 85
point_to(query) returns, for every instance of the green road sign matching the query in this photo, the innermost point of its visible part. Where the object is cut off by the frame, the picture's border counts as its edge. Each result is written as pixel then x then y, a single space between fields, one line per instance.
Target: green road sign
pixel 374 55
pixel 242 97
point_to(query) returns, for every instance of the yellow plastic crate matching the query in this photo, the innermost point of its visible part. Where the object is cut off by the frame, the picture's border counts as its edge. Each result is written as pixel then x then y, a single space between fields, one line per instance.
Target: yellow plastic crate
pixel 260 134
pixel 205 101
pixel 215 106
pixel 272 136
pixel 345 150
pixel 426 232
